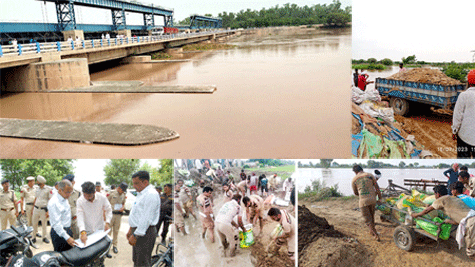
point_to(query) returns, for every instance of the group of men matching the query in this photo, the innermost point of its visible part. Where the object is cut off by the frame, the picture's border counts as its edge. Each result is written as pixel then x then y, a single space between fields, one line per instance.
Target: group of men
pixel 75 215
pixel 456 201
pixel 230 215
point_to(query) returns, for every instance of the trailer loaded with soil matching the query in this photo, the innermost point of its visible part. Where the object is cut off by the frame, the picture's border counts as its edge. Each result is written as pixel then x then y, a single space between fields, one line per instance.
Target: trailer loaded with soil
pixel 430 87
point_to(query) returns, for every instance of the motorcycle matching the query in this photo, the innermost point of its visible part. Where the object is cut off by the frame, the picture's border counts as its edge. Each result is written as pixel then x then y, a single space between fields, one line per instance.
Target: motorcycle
pixel 14 241
pixel 92 255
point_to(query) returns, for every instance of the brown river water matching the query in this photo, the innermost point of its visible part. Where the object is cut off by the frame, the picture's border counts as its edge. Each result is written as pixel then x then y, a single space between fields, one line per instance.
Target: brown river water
pixel 281 93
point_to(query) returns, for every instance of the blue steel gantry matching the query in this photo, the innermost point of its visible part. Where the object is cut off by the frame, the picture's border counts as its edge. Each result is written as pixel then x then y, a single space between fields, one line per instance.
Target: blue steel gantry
pixel 67 19
pixel 200 22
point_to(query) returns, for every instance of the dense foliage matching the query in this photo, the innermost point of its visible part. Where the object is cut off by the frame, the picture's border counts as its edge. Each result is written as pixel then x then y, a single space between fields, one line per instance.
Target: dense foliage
pixel 373 164
pixel 53 170
pixel 331 15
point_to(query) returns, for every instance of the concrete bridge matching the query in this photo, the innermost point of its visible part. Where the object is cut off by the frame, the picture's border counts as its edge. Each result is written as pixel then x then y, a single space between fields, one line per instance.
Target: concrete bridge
pixel 63 65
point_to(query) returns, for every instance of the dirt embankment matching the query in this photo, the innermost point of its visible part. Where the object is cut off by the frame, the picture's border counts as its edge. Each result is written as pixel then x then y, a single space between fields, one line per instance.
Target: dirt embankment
pixel 360 249
pixel 433 132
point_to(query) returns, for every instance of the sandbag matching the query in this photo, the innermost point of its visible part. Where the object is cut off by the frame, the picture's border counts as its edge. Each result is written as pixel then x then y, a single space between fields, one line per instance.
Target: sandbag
pixel 247 238
pixel 432 228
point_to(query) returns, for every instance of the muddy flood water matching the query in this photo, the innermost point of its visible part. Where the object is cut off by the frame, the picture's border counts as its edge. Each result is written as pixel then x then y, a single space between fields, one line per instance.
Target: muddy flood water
pixel 281 93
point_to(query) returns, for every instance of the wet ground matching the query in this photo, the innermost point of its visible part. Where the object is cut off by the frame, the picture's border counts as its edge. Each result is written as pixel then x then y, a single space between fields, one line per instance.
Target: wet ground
pixel 280 92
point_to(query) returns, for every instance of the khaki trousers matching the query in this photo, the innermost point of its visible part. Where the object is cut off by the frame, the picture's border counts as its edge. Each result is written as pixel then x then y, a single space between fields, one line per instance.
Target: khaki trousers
pixel 29 216
pixel 75 228
pixel 115 227
pixel 39 214
pixel 228 237
pixel 7 216
pixel 470 236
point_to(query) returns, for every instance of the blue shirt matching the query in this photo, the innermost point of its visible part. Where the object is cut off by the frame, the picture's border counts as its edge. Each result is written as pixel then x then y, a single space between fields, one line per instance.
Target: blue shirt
pixel 469 201
pixel 453 175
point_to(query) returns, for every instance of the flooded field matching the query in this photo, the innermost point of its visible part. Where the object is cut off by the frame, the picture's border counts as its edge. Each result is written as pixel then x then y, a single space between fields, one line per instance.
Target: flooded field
pixel 279 91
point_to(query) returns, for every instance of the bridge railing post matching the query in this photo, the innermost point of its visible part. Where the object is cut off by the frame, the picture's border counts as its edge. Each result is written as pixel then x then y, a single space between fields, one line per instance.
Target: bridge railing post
pixel 20 49
pixel 102 44
pixel 115 41
pixel 127 40
pixel 72 45
pixel 58 46
pixel 92 43
pixel 1 51
pixel 83 44
pixel 38 48
pixel 109 42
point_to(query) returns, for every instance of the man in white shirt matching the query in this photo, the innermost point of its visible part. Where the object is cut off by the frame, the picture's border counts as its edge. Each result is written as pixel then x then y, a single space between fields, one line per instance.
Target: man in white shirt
pixel 225 222
pixel 143 218
pixel 90 211
pixel 60 217
pixel 463 120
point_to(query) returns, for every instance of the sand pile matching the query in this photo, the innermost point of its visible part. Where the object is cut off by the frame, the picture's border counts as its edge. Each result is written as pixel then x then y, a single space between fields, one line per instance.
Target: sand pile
pixel 321 245
pixel 425 75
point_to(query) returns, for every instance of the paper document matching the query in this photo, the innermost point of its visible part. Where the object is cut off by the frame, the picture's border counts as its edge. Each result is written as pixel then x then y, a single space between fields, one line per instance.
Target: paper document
pixel 92 238
pixel 117 206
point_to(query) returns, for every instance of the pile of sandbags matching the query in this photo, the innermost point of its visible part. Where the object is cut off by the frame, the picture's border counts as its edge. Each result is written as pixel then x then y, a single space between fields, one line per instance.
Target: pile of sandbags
pixel 425 75
pixel 375 133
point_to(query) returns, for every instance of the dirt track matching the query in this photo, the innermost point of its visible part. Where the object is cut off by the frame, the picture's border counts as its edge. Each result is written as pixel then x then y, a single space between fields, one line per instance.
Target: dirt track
pixel 360 249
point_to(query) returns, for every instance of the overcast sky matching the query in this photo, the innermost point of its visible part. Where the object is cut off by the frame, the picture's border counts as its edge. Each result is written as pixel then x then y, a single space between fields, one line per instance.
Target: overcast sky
pixel 433 30
pixel 92 170
pixel 33 10
pixel 427 162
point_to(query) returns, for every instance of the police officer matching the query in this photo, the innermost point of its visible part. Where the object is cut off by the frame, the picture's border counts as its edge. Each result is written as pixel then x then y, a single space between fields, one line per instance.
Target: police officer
pixel 72 203
pixel 27 194
pixel 7 205
pixel 42 196
pixel 117 201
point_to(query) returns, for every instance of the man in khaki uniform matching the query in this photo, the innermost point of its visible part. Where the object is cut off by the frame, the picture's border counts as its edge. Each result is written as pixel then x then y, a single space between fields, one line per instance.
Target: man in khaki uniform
pixel 287 235
pixel 179 219
pixel 205 203
pixel 27 194
pixel 73 198
pixel 366 187
pixel 117 200
pixel 254 210
pixel 40 212
pixel 7 205
pixel 185 199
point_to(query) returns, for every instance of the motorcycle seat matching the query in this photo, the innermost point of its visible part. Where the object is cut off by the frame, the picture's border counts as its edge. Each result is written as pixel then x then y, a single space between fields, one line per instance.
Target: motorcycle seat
pixel 82 256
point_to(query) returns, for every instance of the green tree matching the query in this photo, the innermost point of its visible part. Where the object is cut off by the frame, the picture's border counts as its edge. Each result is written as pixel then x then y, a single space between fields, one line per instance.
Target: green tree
pixel 326 163
pixel 409 59
pixel 120 170
pixel 387 62
pixel 53 170
pixel 455 71
pixel 402 164
pixel 164 173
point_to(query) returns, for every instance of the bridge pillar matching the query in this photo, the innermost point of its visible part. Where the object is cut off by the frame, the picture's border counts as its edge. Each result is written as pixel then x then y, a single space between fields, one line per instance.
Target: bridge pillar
pixel 126 33
pixel 53 75
pixel 73 34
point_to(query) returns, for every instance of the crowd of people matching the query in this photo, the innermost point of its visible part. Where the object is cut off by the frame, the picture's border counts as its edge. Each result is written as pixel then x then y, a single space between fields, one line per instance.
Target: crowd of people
pixel 456 200
pixel 246 201
pixel 75 215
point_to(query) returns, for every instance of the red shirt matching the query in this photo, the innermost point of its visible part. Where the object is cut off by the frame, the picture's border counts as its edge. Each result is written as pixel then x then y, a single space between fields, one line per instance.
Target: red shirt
pixel 362 82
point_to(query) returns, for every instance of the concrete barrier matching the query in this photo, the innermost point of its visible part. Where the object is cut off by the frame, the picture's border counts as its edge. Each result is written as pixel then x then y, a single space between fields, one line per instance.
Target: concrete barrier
pixel 45 76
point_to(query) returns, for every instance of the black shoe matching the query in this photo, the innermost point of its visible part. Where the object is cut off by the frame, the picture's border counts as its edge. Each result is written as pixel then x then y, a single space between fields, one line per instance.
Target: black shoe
pixel 108 255
pixel 45 240
pixel 115 250
pixel 33 240
pixel 38 235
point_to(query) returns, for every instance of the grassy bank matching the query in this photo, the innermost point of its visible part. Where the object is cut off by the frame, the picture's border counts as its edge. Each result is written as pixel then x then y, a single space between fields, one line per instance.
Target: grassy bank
pixel 317 191
pixel 283 171
pixel 161 55
pixel 206 47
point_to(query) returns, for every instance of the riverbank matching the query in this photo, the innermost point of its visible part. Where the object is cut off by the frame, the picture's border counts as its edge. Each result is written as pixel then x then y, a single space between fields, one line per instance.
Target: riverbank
pixel 357 244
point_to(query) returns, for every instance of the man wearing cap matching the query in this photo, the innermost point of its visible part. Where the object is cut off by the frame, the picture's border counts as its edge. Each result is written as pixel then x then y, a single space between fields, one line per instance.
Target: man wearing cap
pixel 40 212
pixel 117 200
pixel 463 120
pixel 60 211
pixel 73 198
pixel 143 219
pixel 27 194
pixel 7 205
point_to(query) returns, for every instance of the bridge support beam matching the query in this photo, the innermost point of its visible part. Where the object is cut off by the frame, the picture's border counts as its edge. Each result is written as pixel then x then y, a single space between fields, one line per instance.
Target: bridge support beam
pixel 118 19
pixel 66 16
pixel 44 76
pixel 73 34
